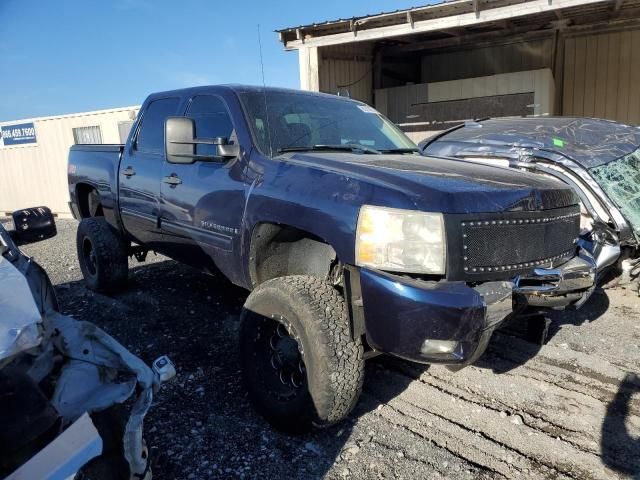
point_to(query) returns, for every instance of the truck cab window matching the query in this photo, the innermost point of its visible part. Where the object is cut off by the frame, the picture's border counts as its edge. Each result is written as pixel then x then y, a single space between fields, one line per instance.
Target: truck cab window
pixel 151 135
pixel 212 120
pixel 298 120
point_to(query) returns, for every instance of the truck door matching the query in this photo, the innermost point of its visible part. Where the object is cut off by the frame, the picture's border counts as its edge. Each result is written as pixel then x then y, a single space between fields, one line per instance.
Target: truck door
pixel 141 171
pixel 203 202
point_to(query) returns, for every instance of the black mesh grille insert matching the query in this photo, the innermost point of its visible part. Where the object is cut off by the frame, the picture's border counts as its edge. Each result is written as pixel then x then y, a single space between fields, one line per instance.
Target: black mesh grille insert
pixel 517 242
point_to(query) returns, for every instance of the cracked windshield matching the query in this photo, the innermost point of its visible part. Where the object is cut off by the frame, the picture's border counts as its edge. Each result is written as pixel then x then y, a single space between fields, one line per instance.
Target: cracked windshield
pixel 621 181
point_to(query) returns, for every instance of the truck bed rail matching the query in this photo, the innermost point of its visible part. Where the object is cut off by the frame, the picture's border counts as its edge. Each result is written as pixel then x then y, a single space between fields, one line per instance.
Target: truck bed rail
pixel 98 147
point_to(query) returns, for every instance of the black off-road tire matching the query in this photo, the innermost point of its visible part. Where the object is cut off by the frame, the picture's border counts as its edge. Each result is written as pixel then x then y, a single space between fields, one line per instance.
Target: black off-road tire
pixel 314 314
pixel 102 254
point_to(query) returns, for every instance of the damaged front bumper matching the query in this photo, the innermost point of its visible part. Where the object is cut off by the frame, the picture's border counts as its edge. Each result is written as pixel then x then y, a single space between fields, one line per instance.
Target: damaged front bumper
pixel 569 284
pixel 451 322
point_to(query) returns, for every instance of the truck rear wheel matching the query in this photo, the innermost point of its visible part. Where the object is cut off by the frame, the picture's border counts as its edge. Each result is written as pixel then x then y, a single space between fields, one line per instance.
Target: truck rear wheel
pixel 102 254
pixel 299 363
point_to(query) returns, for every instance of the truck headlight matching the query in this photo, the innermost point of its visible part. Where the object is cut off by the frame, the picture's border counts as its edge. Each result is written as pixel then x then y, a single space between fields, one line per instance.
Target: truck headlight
pixel 400 240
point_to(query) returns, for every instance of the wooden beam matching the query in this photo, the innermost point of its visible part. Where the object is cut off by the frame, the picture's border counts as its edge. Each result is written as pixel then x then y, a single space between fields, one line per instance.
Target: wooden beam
pixel 516 35
pixel 435 24
pixel 507 24
pixel 560 24
pixel 377 70
pixel 359 57
pixel 557 70
pixel 451 32
pixel 410 18
pixel 476 8
pixel 309 63
pixel 600 25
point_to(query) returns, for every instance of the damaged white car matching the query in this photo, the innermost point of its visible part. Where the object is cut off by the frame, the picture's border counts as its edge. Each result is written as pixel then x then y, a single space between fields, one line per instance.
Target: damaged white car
pixel 58 375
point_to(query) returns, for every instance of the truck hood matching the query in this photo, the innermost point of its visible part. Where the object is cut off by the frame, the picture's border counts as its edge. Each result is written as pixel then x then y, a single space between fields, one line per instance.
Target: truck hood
pixel 446 185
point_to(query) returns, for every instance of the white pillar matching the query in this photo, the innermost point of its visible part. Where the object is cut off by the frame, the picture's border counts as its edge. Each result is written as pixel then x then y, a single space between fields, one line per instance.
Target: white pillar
pixel 309 68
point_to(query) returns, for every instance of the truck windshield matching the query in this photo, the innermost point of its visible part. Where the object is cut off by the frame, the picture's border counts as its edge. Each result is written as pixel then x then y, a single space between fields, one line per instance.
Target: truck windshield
pixel 620 179
pixel 299 121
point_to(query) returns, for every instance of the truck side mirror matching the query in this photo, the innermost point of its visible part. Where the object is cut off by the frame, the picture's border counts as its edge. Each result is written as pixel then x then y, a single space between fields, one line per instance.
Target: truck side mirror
pixel 180 143
pixel 179 140
pixel 225 149
pixel 33 224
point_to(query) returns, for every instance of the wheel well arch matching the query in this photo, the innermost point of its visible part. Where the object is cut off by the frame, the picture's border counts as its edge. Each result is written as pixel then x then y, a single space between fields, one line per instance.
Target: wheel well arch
pixel 89 203
pixel 278 250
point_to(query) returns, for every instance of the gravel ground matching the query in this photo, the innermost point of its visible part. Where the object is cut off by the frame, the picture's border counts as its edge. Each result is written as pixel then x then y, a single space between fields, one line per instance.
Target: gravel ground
pixel 569 409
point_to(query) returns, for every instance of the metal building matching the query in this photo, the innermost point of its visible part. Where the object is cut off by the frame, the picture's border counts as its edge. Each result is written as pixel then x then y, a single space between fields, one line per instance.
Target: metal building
pixel 33 154
pixel 431 66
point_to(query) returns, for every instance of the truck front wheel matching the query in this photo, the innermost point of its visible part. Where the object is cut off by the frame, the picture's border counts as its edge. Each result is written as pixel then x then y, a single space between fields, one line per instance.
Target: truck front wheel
pixel 102 254
pixel 299 363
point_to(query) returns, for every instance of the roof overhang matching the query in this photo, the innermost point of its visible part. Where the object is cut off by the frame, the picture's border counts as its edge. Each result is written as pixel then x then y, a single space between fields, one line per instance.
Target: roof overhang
pixel 458 16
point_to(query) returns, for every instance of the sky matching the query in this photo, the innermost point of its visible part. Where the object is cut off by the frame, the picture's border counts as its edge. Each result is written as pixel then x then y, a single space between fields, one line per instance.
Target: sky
pixel 65 56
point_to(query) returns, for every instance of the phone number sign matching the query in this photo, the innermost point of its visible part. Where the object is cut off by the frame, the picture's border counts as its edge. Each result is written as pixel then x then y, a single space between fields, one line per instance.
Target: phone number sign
pixel 18 134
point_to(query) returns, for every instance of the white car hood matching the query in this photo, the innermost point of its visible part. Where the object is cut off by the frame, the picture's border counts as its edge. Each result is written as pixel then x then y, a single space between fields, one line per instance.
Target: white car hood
pixel 20 320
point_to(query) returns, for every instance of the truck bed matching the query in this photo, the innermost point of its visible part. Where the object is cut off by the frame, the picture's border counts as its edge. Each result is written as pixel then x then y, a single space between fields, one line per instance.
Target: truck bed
pixel 94 166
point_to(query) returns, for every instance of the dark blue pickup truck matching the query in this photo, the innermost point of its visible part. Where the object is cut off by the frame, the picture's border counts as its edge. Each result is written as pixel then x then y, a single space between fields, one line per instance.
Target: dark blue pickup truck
pixel 350 242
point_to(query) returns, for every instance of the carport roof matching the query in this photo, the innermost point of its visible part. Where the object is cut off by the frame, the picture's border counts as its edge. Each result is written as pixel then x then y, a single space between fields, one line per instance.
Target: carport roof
pixel 456 17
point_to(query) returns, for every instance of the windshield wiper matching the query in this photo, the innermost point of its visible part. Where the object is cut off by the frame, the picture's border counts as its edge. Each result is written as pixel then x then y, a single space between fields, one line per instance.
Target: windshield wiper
pixel 400 150
pixel 346 147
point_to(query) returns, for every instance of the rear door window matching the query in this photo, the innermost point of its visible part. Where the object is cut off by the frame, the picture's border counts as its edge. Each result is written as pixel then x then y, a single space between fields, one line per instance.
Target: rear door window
pixel 212 121
pixel 151 134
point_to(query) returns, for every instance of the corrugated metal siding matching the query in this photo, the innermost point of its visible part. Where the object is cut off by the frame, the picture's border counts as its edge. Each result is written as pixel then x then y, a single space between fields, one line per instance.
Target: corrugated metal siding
pixel 490 60
pixel 347 69
pixel 602 76
pixel 34 175
pixel 396 102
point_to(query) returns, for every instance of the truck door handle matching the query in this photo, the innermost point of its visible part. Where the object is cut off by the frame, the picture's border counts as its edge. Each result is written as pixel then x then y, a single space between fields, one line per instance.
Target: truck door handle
pixel 127 172
pixel 172 180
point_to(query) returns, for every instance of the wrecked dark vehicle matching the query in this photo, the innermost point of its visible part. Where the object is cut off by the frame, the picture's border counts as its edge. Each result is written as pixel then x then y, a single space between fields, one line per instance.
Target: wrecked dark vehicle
pixel 57 374
pixel 599 159
pixel 349 240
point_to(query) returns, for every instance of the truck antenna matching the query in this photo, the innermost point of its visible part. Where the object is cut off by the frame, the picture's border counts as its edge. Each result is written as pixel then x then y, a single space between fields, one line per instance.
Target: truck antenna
pixel 264 92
